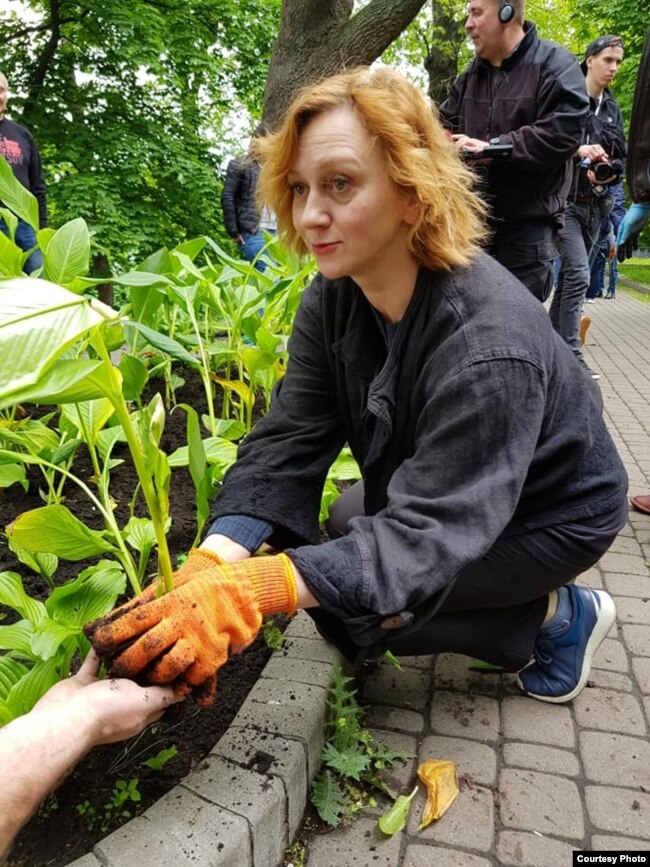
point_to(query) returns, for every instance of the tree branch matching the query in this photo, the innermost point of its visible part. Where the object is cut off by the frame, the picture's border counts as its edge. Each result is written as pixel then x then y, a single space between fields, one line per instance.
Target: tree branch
pixel 370 32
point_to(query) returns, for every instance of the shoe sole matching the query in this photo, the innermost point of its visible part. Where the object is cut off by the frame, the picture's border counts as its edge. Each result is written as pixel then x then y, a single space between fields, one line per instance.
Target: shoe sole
pixel 606 617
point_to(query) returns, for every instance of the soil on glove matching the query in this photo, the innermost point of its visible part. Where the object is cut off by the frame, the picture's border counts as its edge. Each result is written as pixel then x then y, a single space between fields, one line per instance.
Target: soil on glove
pixel 86 806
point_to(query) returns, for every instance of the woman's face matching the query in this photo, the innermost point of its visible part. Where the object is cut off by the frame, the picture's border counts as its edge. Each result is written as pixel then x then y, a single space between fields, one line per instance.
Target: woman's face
pixel 345 207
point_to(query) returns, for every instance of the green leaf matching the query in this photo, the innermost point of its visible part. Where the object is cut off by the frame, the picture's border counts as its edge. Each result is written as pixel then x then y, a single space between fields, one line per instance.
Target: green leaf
pixel 329 799
pixel 90 595
pixel 55 530
pixel 157 762
pixel 394 820
pixel 217 451
pixel 43 564
pixel 17 637
pixel 134 376
pixel 11 474
pixel 16 197
pixel 67 381
pixel 140 533
pixel 12 593
pixel 88 416
pixel 68 253
pixel 33 685
pixel 49 636
pixel 10 673
pixel 348 764
pixel 11 258
pixel 166 344
pixel 38 321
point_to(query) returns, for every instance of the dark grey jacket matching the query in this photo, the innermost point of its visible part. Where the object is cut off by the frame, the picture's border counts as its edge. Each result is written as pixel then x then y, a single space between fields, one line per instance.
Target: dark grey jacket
pixel 477 422
pixel 240 214
pixel 537 102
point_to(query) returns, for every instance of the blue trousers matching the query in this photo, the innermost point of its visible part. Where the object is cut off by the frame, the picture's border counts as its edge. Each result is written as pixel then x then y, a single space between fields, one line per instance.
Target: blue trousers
pixel 25 239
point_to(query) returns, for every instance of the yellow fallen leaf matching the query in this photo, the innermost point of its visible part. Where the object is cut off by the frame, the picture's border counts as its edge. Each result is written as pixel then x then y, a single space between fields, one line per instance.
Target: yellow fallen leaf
pixel 441 779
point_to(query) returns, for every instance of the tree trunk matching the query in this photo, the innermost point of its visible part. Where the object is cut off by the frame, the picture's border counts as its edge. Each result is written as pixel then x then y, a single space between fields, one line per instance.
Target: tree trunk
pixel 441 62
pixel 318 38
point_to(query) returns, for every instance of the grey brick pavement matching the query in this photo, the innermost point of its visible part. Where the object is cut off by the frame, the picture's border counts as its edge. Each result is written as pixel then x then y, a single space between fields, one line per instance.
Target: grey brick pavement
pixel 537 780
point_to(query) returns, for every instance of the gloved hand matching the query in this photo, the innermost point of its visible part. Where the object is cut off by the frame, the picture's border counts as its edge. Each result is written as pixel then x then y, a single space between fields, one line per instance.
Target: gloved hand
pixel 627 239
pixel 184 637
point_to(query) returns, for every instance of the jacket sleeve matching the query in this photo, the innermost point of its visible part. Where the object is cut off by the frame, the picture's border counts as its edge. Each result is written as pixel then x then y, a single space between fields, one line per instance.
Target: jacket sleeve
pixel 450 109
pixel 282 465
pixel 37 182
pixel 229 197
pixel 447 504
pixel 563 106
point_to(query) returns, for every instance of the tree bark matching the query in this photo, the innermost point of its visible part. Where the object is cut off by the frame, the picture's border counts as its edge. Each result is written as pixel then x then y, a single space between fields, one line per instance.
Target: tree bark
pixel 318 38
pixel 441 62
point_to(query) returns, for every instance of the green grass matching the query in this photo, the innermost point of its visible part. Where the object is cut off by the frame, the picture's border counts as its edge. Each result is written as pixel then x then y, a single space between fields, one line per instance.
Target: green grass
pixel 637 270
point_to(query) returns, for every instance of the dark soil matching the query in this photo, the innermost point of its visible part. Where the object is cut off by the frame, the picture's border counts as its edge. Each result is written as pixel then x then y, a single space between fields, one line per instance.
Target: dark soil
pixel 75 817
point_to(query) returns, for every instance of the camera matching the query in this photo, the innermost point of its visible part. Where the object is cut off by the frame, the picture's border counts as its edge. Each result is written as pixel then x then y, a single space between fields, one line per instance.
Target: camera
pixel 604 171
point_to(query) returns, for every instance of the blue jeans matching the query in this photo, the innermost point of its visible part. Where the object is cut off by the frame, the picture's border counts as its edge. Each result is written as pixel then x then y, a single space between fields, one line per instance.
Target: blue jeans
pixel 25 239
pixel 252 247
pixel 574 242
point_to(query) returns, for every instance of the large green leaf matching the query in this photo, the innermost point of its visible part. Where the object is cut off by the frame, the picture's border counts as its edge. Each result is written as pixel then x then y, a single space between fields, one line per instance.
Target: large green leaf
pixel 10 673
pixel 10 474
pixel 166 344
pixel 217 451
pixel 27 691
pixel 17 197
pixel 68 253
pixel 88 416
pixel 38 321
pixel 11 258
pixel 92 593
pixel 12 594
pixel 17 637
pixel 55 530
pixel 67 381
pixel 49 636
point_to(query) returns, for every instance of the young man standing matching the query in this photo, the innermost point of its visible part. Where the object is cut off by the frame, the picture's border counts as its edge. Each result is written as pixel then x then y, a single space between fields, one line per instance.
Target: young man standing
pixel 589 199
pixel 17 146
pixel 522 91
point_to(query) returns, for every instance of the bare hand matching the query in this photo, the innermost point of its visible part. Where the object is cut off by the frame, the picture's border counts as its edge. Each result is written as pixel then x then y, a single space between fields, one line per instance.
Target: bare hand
pixel 465 143
pixel 108 710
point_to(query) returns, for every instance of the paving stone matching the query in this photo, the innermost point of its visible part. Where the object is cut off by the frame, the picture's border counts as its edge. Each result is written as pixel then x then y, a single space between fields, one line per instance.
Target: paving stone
pixel 624 545
pixel 315 649
pixel 609 680
pixel 452 671
pixel 641 669
pixel 627 585
pixel 426 856
pixel 86 861
pixel 425 662
pixel 277 756
pixel 615 759
pixel 619 811
pixel 475 761
pixel 302 626
pixel 386 685
pixel 525 719
pixel 608 844
pixel 529 850
pixel 290 670
pixel 400 775
pixel 637 639
pixel 548 760
pixel 633 610
pixel 361 844
pixel 468 823
pixel 259 798
pixel 611 656
pixel 206 833
pixel 626 563
pixel 298 713
pixel 384 717
pixel 467 716
pixel 548 804
pixel 608 711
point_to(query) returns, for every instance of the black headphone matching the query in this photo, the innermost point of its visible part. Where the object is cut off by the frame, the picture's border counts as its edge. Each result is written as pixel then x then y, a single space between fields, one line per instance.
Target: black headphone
pixel 506 12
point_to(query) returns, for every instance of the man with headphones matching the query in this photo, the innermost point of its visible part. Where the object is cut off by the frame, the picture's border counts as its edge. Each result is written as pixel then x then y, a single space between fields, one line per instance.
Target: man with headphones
pixel 528 94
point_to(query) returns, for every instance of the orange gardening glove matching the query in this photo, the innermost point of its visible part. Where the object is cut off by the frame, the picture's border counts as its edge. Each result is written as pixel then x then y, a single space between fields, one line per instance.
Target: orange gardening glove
pixel 184 636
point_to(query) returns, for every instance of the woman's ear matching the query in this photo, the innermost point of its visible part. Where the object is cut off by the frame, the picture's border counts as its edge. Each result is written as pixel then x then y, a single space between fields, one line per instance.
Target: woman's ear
pixel 411 208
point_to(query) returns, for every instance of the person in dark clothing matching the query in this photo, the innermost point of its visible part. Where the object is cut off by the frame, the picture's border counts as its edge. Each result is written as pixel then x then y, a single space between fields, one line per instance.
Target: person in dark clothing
pixel 17 146
pixel 243 221
pixel 604 250
pixel 522 91
pixel 489 478
pixel 589 199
